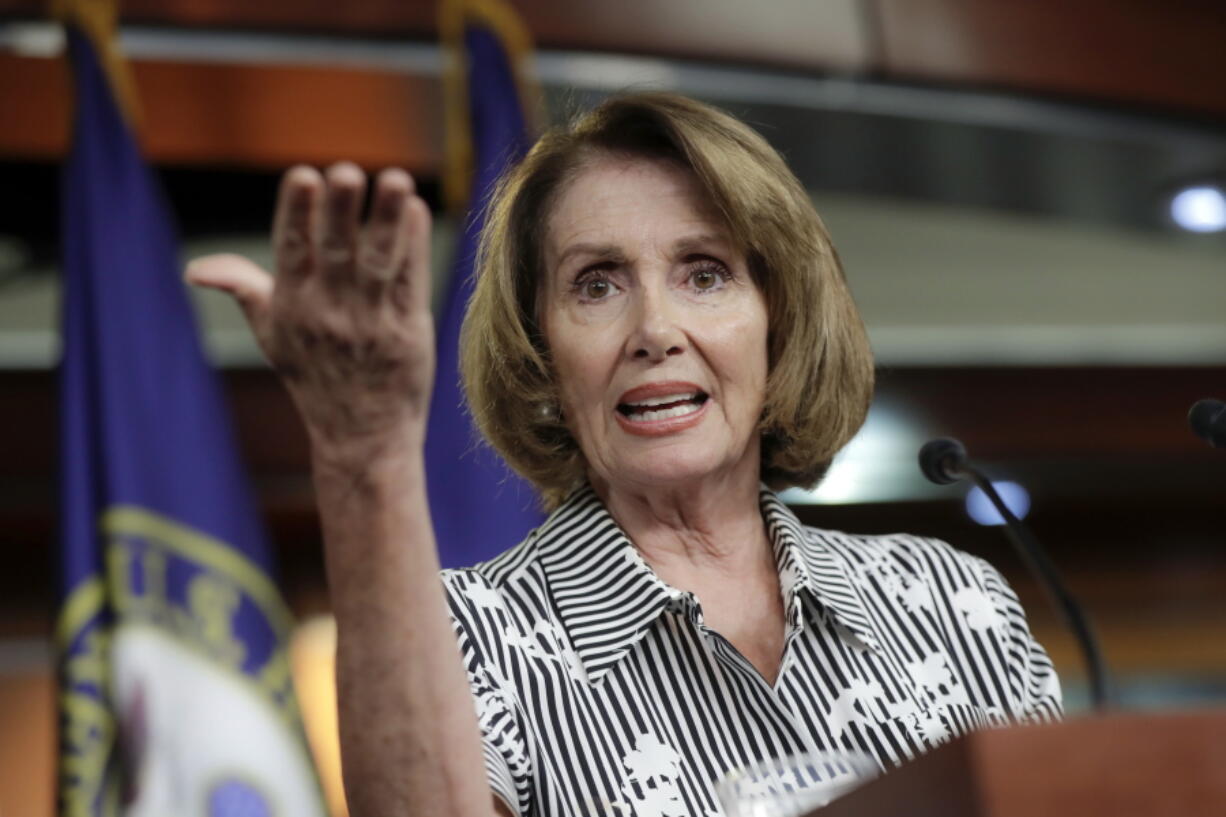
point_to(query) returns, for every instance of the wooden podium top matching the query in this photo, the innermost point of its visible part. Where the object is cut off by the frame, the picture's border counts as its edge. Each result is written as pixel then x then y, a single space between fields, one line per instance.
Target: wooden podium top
pixel 1117 764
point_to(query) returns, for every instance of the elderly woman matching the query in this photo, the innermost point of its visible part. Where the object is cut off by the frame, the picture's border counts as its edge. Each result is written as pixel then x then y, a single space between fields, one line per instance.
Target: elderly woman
pixel 660 336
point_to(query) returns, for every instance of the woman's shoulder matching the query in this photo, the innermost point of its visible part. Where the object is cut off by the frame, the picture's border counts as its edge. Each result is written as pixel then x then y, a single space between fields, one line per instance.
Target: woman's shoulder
pixel 906 555
pixel 518 575
pixel 511 567
pixel 505 617
pixel 499 594
pixel 907 549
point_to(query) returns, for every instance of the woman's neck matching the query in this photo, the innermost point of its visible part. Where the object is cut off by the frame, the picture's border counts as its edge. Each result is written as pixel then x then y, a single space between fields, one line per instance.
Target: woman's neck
pixel 711 540
pixel 695 533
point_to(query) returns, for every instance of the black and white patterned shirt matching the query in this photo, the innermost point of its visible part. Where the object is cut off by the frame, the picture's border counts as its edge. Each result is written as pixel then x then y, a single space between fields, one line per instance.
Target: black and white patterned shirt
pixel 599 689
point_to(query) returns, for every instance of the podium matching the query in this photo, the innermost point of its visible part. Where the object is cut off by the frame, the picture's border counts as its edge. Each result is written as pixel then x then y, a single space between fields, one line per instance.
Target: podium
pixel 1139 765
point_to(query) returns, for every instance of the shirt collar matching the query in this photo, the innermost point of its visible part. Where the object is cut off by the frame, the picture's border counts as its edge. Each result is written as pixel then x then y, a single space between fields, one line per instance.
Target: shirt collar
pixel 607 597
pixel 809 567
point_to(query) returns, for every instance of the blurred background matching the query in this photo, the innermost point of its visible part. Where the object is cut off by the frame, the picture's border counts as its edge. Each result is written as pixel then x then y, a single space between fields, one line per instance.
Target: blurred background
pixel 1027 198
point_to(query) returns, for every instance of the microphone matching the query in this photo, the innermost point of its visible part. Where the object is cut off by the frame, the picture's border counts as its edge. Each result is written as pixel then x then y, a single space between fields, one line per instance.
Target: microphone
pixel 1208 421
pixel 944 461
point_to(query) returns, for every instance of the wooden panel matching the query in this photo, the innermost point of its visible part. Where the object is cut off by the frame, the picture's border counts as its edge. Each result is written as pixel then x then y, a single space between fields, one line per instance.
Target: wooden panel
pixel 34 93
pixel 1168 54
pixel 1037 412
pixel 828 34
pixel 390 17
pixel 27 744
pixel 251 115
pixel 1165 54
pixel 1143 765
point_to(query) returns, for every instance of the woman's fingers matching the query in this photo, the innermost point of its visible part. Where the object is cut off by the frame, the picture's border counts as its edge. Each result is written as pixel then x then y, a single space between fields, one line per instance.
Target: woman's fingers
pixel 346 321
pixel 418 272
pixel 345 189
pixel 251 286
pixel 383 250
pixel 295 226
pixel 394 255
pixel 317 232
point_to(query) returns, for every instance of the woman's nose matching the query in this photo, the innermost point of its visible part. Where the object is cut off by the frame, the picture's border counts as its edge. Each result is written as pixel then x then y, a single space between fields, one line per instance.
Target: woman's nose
pixel 656 333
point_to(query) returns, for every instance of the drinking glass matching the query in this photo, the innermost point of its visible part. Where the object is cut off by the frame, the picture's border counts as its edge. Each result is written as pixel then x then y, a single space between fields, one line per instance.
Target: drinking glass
pixel 793 786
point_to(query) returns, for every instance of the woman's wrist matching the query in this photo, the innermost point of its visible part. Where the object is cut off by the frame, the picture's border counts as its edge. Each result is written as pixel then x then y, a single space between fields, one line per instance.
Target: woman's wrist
pixel 367 456
pixel 375 522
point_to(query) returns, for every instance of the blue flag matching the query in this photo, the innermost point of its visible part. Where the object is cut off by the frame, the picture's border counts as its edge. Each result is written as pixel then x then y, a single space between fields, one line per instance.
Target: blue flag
pixel 478 505
pixel 176 695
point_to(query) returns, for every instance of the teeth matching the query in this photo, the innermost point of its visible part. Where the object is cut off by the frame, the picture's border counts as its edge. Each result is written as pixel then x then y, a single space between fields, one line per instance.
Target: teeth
pixel 664 414
pixel 672 398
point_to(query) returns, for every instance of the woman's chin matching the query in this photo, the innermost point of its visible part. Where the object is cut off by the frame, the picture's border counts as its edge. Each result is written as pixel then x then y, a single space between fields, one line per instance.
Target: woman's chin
pixel 673 468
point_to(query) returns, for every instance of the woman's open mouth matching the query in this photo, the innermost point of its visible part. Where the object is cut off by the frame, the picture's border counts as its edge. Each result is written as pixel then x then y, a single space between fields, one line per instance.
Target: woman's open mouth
pixel 662 408
pixel 661 411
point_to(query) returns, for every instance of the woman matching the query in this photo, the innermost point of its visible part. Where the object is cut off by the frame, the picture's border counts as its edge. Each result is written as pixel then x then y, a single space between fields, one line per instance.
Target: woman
pixel 660 325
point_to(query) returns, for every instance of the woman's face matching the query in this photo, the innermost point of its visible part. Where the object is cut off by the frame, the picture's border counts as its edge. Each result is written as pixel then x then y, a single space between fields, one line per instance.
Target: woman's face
pixel 658 335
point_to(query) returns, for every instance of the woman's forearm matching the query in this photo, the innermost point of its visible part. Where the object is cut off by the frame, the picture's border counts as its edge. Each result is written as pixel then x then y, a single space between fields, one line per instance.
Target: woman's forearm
pixel 409 737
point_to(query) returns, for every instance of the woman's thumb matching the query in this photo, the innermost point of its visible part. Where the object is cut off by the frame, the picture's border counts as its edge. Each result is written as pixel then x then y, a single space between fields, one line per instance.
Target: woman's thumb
pixel 250 285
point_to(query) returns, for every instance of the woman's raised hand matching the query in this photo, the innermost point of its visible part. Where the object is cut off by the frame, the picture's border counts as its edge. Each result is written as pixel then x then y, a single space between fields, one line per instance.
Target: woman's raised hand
pixel 346 320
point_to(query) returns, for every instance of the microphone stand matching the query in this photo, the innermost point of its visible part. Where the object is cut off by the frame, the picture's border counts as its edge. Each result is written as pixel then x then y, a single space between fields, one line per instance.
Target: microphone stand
pixel 945 461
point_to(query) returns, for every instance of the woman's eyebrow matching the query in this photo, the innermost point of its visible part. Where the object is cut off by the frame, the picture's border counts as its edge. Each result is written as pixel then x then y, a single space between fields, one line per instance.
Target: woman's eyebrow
pixel 702 241
pixel 605 252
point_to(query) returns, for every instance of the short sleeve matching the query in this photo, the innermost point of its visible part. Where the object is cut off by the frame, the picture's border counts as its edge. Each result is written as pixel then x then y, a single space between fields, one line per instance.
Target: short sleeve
pixel 507 766
pixel 1034 686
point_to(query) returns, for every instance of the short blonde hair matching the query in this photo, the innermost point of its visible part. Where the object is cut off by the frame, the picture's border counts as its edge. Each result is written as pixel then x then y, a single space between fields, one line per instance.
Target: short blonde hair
pixel 820 379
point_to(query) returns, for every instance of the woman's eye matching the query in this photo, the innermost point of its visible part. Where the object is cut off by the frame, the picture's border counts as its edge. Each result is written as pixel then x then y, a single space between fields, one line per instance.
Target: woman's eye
pixel 708 277
pixel 595 288
pixel 705 278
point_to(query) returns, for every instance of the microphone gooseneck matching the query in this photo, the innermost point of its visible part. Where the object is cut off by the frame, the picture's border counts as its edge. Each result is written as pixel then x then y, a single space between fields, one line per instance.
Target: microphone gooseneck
pixel 944 461
pixel 1208 420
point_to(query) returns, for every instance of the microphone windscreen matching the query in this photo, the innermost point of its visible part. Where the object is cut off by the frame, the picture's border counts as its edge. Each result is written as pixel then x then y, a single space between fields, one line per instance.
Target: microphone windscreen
pixel 1208 421
pixel 941 459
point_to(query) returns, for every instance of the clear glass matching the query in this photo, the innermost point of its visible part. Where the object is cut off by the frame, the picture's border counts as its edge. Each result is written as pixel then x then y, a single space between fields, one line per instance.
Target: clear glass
pixel 793 786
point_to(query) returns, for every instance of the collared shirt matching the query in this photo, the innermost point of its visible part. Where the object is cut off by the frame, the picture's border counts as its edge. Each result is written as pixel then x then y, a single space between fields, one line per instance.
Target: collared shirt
pixel 600 689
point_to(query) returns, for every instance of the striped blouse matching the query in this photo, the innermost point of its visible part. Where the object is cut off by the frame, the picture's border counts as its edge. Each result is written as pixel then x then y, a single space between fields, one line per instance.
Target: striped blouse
pixel 599 690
